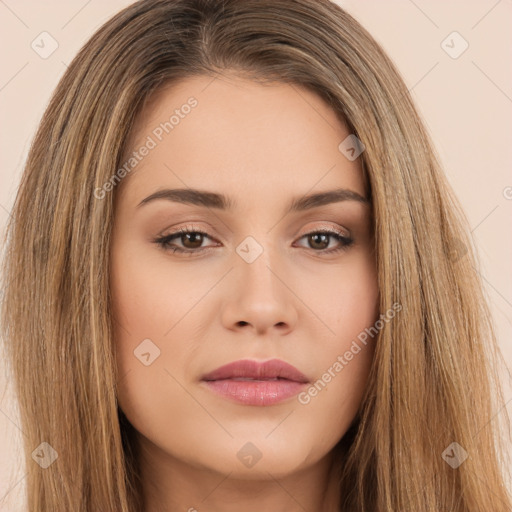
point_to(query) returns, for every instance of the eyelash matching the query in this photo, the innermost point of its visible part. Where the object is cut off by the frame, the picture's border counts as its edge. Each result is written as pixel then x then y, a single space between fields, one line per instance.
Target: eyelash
pixel 164 241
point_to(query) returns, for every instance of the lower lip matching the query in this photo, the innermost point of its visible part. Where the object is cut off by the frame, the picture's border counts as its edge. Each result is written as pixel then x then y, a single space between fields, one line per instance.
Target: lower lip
pixel 256 392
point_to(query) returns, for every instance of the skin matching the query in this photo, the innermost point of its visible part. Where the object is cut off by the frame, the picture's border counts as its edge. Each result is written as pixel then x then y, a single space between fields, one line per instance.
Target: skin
pixel 261 145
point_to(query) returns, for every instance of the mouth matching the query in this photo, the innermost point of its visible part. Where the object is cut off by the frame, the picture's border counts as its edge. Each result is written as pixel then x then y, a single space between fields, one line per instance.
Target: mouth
pixel 251 382
pixel 252 379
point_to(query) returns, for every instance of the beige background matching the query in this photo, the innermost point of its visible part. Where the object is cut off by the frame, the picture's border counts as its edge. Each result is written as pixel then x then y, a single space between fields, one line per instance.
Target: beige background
pixel 466 103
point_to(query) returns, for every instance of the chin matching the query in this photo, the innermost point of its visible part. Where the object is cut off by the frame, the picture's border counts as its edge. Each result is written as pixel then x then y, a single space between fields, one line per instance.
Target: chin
pixel 263 459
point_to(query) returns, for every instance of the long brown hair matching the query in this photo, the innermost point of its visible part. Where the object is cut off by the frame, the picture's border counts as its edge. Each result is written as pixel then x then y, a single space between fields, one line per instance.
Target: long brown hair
pixel 433 381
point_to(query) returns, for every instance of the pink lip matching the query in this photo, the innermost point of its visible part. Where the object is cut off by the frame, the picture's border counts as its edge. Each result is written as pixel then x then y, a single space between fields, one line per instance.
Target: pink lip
pixel 253 383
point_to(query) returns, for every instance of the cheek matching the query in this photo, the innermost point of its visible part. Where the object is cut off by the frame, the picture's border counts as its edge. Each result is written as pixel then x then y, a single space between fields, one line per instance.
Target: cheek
pixel 150 294
pixel 344 354
pixel 347 300
pixel 155 306
pixel 148 301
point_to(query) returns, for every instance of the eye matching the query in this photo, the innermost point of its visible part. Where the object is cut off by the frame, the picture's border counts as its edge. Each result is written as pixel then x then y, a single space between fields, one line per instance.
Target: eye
pixel 321 240
pixel 192 241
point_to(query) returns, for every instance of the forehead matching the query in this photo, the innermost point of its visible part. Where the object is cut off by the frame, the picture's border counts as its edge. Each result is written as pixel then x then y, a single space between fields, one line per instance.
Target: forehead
pixel 234 133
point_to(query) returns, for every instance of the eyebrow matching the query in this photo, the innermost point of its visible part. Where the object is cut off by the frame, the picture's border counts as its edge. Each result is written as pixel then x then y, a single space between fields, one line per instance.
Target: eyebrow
pixel 222 202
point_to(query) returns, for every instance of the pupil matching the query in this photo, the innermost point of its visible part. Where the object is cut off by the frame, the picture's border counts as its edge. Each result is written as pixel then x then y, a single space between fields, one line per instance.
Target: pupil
pixel 320 238
pixel 191 237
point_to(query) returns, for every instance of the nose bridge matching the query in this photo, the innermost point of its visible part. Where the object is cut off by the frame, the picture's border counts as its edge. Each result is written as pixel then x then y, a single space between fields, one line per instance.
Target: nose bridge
pixel 260 297
pixel 258 261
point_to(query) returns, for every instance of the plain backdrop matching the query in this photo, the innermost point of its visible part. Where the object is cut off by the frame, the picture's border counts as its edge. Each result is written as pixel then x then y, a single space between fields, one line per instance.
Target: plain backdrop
pixel 461 83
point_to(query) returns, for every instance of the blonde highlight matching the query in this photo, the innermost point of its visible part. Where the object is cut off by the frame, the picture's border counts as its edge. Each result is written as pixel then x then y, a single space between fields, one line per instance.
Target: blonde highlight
pixel 433 381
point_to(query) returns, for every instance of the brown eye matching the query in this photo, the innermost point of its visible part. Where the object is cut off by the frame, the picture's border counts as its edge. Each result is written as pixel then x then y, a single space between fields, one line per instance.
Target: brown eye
pixel 189 241
pixel 319 241
pixel 192 239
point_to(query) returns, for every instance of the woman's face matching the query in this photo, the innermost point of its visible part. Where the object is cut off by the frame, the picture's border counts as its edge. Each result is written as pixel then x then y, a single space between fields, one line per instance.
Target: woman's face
pixel 262 282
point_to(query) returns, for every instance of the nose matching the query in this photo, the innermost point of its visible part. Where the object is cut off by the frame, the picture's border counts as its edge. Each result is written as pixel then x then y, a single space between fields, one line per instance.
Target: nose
pixel 261 300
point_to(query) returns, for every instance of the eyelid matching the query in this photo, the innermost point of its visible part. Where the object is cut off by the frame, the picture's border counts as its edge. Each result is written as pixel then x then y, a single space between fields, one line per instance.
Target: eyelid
pixel 325 227
pixel 328 227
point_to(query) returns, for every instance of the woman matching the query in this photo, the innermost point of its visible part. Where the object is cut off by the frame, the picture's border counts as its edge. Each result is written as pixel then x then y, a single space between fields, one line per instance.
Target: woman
pixel 251 285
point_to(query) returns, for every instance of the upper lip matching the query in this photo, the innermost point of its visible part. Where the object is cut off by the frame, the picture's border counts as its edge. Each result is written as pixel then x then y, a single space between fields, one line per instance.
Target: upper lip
pixel 250 369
